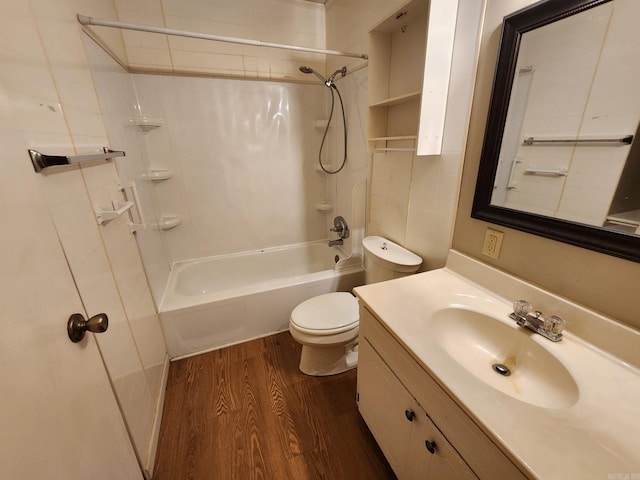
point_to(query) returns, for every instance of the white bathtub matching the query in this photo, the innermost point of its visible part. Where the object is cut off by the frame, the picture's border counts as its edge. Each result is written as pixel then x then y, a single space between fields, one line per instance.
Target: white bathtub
pixel 218 301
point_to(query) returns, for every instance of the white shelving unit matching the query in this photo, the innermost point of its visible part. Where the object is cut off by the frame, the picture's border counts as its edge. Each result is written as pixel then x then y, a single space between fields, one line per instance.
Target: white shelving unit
pixel 410 55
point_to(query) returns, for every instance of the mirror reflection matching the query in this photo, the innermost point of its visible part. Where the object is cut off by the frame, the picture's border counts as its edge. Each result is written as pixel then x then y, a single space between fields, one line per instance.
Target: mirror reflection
pixel 570 149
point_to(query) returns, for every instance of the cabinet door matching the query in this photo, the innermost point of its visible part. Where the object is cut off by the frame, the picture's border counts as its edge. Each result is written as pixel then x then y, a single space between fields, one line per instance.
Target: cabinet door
pixel 382 402
pixel 431 456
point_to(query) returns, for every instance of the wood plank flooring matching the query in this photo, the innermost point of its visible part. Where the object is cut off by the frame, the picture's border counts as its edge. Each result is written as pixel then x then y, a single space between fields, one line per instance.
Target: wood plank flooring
pixel 246 412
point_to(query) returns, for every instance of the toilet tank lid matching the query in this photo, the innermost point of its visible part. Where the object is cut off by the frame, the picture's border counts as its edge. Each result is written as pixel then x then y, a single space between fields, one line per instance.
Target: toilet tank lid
pixel 390 252
pixel 331 311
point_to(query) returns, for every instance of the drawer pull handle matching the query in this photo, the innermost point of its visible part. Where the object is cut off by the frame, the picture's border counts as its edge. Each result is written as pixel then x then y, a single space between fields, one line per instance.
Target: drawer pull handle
pixel 410 414
pixel 431 446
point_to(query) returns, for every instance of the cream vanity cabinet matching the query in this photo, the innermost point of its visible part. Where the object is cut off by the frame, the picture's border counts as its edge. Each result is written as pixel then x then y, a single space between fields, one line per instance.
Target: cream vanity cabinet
pixel 421 431
pixel 413 445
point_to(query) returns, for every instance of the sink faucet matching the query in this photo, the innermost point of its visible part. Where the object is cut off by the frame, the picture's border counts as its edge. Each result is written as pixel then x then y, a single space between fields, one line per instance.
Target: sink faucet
pixel 549 327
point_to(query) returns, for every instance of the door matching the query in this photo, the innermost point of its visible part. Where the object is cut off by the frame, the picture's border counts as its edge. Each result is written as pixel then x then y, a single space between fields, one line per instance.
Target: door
pixel 58 415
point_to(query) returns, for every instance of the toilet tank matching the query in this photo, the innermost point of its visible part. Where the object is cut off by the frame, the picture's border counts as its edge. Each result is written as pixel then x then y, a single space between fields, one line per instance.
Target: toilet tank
pixel 385 260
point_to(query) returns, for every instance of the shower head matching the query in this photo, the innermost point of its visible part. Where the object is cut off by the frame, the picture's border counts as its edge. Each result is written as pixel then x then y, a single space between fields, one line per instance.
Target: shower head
pixel 307 70
pixel 328 82
pixel 342 71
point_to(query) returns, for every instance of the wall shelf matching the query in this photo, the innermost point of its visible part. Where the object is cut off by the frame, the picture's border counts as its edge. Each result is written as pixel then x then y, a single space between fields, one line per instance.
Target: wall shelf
pixel 157 175
pixel 410 55
pixel 395 149
pixel 631 218
pixel 399 100
pixel 146 123
pixel 396 65
pixel 389 139
pixel 168 222
pixel 41 161
pixel 321 124
pixel 324 206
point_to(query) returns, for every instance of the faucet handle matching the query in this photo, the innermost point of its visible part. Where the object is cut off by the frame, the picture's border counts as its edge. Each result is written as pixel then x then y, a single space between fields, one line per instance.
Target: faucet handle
pixel 554 324
pixel 522 308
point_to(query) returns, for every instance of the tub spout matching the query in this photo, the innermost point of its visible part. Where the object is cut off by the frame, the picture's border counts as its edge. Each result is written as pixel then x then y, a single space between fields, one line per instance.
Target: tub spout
pixel 333 243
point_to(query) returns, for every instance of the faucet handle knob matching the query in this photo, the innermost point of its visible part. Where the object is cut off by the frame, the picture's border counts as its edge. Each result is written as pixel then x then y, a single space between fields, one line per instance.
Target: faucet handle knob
pixel 522 308
pixel 554 324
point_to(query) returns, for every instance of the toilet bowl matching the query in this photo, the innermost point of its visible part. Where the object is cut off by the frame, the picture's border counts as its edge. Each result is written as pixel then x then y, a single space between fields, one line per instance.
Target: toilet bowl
pixel 327 325
pixel 327 328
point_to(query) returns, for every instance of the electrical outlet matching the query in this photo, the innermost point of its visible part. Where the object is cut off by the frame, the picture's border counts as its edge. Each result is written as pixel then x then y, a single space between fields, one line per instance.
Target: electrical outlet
pixel 492 243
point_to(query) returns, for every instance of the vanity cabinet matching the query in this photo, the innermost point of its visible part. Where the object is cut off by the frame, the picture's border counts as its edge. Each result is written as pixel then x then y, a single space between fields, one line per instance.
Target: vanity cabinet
pixel 420 429
pixel 413 445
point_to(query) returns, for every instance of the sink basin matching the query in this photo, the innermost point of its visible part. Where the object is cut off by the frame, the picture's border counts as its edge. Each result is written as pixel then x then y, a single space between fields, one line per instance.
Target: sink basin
pixel 505 357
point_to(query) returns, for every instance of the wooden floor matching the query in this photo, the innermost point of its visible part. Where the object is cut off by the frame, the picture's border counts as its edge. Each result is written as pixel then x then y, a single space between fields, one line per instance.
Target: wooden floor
pixel 246 412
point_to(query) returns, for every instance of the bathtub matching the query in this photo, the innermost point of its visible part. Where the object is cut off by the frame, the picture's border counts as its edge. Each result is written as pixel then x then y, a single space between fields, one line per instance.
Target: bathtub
pixel 219 301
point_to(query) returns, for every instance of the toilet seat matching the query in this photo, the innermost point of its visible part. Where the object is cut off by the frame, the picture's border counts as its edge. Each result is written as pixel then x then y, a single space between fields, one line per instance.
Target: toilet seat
pixel 326 314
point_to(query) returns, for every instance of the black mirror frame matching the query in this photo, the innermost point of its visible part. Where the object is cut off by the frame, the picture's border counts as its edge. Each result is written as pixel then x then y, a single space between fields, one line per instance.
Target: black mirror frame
pixel 618 244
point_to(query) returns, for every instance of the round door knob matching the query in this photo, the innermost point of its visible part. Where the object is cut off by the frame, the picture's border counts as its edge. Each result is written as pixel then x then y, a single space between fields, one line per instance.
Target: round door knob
pixel 77 325
pixel 431 446
pixel 410 414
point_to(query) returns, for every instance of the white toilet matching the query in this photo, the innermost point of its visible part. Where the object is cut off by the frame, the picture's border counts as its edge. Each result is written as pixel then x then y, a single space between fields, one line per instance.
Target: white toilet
pixel 327 325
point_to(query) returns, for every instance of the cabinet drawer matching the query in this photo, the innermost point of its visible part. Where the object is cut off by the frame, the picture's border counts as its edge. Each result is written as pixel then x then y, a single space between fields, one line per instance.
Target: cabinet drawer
pixel 479 452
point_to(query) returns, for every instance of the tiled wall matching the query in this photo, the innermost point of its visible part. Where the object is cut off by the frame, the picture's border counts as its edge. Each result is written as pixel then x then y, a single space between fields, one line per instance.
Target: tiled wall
pixel 273 21
pixel 243 156
pixel 196 140
pixel 576 101
pixel 48 88
pixel 119 105
pixel 414 206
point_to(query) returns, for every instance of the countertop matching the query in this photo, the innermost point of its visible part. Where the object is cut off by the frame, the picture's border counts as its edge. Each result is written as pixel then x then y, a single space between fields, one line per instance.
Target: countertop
pixel 598 437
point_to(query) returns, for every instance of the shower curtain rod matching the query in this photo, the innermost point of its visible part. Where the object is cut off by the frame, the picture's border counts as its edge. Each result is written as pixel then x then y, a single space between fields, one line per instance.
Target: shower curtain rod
pixel 84 20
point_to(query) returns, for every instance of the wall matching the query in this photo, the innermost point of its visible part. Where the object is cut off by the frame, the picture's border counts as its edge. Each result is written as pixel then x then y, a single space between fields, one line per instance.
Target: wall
pixel 413 199
pixel 347 190
pixel 119 105
pixel 601 282
pixel 275 21
pixel 243 155
pixel 421 218
pixel 199 144
pixel 49 93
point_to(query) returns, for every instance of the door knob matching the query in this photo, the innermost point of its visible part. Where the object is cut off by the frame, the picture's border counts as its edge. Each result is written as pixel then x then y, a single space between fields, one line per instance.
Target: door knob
pixel 77 325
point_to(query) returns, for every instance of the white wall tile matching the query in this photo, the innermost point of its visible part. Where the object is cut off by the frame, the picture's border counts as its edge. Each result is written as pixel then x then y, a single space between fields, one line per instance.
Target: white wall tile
pixel 243 156
pixel 266 20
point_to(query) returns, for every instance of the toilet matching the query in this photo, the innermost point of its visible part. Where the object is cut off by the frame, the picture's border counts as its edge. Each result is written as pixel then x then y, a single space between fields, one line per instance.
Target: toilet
pixel 327 325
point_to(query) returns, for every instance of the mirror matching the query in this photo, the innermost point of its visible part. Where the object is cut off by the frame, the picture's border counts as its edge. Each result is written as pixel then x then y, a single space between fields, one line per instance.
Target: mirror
pixel 561 154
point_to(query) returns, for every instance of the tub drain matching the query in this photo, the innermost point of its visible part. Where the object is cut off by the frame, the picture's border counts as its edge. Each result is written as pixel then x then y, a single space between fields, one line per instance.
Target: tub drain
pixel 501 369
